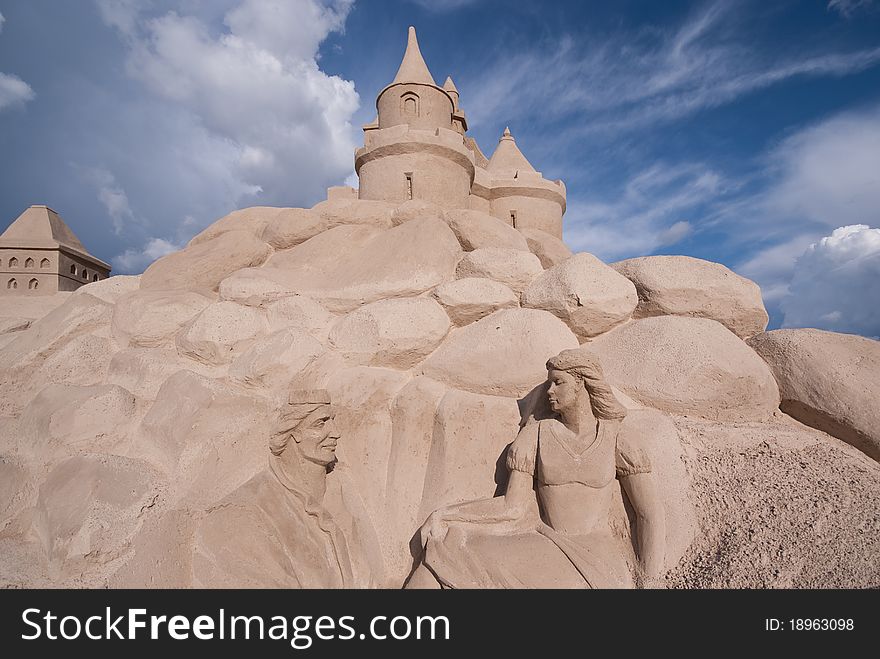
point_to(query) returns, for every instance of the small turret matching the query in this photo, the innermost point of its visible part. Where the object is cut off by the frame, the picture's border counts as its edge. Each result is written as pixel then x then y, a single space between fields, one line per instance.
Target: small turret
pixel 459 121
pixel 518 194
pixel 508 159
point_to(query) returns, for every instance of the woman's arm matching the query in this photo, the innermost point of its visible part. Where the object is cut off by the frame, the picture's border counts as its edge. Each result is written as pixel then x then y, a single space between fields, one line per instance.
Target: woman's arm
pixel 498 512
pixel 650 521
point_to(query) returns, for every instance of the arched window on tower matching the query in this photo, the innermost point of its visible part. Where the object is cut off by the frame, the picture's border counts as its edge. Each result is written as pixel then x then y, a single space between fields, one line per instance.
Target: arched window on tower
pixel 29 263
pixel 73 269
pixel 12 284
pixel 13 262
pixel 94 277
pixel 33 284
pixel 85 274
pixel 45 263
pixel 409 104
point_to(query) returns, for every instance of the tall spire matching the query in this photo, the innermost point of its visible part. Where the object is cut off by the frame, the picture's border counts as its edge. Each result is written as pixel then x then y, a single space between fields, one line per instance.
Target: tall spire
pixel 508 159
pixel 413 67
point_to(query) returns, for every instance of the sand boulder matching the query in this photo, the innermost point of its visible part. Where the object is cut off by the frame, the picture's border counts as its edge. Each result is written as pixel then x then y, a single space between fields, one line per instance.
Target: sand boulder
pixel 292 226
pixel 584 292
pixel 272 361
pixel 219 331
pixel 685 286
pixel 688 366
pixel 302 313
pixel 469 299
pixel 112 288
pixel 252 220
pixel 503 354
pixel 78 315
pixel 368 265
pixel 253 288
pixel 513 267
pixel 828 381
pixel 475 230
pixel 202 266
pixel 549 249
pixel 90 504
pixel 9 324
pixel 415 209
pixel 152 318
pixel 397 332
pixel 355 211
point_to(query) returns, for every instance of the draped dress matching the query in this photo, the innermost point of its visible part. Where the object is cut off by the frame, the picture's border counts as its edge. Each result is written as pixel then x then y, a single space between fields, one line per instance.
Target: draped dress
pixel 568 544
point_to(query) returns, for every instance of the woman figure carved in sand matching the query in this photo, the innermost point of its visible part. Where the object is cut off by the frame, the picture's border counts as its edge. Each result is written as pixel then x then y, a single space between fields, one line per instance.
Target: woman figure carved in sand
pixel 550 529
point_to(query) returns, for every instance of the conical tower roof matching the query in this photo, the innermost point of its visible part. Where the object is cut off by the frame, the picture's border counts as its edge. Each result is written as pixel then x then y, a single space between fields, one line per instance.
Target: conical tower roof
pixel 40 226
pixel 450 86
pixel 508 159
pixel 413 67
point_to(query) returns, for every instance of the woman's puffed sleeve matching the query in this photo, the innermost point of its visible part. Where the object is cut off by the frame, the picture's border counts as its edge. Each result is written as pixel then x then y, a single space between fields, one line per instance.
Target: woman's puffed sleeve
pixel 524 449
pixel 631 457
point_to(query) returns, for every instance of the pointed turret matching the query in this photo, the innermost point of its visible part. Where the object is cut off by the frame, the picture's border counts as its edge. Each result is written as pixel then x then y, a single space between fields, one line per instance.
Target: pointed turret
pixel 508 159
pixel 413 98
pixel 450 87
pixel 413 67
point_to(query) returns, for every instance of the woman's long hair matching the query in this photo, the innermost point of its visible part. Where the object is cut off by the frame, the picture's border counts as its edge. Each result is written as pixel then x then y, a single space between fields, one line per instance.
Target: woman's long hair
pixel 584 365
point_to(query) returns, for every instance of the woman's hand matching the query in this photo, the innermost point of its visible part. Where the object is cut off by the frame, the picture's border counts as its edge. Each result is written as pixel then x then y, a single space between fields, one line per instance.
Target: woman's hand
pixel 435 528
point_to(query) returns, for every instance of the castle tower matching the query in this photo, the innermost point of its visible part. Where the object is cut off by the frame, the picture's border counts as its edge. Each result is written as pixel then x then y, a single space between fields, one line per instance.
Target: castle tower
pixel 415 149
pixel 39 254
pixel 459 121
pixel 517 193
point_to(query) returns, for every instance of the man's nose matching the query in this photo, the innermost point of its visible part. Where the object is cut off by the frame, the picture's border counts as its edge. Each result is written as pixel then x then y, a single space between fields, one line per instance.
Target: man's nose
pixel 334 430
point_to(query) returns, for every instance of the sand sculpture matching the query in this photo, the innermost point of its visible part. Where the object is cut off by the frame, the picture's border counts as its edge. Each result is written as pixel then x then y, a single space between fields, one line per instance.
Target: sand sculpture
pixel 283 533
pixel 40 255
pixel 428 306
pixel 570 458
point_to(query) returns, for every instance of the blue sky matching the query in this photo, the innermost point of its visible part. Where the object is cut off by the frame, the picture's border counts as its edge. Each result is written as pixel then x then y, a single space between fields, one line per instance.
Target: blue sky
pixel 742 132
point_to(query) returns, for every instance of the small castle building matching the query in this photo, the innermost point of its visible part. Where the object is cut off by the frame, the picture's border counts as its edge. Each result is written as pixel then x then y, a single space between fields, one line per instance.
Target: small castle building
pixel 418 148
pixel 39 255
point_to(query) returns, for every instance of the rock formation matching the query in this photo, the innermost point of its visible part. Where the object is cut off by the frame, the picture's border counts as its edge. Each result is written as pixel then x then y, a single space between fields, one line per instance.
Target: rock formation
pixel 137 407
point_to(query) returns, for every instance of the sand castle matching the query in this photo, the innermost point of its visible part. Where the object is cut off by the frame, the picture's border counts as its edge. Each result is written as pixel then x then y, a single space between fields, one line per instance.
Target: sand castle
pixel 355 372
pixel 417 149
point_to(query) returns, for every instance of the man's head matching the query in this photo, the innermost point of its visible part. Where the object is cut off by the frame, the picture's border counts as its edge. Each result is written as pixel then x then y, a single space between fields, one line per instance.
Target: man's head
pixel 308 419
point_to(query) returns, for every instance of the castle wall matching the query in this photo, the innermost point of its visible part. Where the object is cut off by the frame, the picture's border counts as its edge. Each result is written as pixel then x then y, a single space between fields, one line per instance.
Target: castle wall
pixel 426 176
pixel 45 275
pixel 531 213
pixel 477 203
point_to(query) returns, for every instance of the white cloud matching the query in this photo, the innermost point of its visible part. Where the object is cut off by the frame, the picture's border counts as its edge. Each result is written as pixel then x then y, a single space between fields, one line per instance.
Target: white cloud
pixel 619 81
pixel 836 283
pixel 13 90
pixel 121 14
pixel 136 260
pixel 847 8
pixel 818 179
pixel 443 5
pixel 265 124
pixel 111 195
pixel 656 208
pixel 829 174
